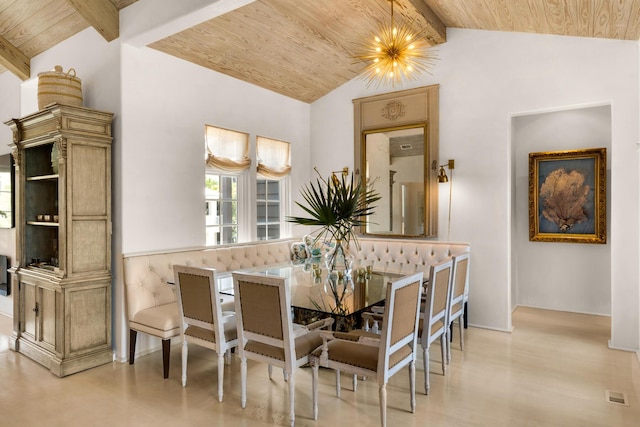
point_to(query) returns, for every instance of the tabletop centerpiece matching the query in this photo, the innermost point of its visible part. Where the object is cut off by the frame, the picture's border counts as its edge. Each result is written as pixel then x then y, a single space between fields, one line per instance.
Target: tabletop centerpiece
pixel 338 206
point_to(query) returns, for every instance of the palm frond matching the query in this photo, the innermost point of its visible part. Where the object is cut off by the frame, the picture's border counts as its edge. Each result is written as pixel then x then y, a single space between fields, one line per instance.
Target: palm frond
pixel 336 206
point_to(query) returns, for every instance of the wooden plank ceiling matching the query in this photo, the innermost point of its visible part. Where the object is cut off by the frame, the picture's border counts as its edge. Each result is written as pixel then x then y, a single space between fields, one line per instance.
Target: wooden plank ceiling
pixel 304 48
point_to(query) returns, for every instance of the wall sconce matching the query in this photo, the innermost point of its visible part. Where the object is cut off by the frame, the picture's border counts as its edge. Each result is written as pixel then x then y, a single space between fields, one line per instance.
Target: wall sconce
pixel 442 177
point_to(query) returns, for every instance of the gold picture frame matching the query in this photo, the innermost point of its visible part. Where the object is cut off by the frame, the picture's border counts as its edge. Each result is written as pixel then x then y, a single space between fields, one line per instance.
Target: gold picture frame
pixel 567 196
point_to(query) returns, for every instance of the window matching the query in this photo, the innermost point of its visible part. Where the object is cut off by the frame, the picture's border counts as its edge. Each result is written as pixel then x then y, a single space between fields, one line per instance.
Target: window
pixel 221 195
pixel 242 203
pixel 273 169
pixel 268 209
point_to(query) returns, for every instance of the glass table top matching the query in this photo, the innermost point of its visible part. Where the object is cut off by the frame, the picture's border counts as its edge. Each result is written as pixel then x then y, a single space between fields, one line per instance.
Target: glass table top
pixel 322 293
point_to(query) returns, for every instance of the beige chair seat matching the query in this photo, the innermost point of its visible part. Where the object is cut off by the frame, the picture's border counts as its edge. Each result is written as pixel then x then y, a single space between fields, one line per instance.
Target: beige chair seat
pixel 161 321
pixel 230 331
pixel 362 356
pixel 304 344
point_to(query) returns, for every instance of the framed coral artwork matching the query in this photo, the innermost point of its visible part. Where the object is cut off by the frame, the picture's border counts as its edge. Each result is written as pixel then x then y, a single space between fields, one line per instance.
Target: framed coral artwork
pixel 567 196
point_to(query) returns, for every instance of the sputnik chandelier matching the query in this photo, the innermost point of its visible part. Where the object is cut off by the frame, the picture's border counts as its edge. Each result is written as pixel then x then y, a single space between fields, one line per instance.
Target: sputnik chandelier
pixel 396 53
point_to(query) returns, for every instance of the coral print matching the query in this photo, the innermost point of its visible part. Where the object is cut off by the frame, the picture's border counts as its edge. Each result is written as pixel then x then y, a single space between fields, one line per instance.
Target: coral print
pixel 567 196
pixel 564 196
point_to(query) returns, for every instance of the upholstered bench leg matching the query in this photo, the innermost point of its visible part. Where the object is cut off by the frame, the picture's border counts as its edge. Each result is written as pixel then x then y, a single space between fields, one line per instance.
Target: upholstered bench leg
pixel 132 345
pixel 166 349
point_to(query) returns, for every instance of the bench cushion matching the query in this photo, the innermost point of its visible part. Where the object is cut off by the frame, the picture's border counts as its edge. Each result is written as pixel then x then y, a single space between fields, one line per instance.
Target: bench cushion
pixel 162 320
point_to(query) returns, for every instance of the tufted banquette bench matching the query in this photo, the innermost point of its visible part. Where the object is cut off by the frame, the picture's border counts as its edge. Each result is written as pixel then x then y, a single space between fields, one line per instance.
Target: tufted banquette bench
pixel 405 256
pixel 151 301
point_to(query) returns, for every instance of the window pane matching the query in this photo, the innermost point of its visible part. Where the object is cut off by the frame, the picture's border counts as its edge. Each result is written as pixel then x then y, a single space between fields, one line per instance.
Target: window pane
pixel 221 208
pixel 213 235
pixel 274 232
pixel 273 190
pixel 229 187
pixel 229 234
pixel 273 212
pixel 261 191
pixel 212 187
pixel 262 212
pixel 268 213
pixel 228 212
pixel 262 232
pixel 212 216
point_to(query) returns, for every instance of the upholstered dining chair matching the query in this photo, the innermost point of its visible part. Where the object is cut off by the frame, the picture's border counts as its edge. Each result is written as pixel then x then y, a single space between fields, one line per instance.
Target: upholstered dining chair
pixel 380 356
pixel 203 321
pixel 434 317
pixel 266 333
pixel 459 294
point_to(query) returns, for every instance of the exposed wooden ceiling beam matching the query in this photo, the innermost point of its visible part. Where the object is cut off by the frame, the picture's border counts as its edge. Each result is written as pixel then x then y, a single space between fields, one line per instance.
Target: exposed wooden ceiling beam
pixel 14 60
pixel 435 29
pixel 101 15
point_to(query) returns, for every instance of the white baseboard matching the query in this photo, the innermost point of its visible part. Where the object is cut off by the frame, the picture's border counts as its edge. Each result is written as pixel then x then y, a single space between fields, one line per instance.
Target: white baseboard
pixel 615 347
pixel 490 328
pixel 561 309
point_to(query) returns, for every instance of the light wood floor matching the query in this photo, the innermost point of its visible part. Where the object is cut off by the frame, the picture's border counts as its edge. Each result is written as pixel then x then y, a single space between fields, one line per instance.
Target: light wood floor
pixel 553 370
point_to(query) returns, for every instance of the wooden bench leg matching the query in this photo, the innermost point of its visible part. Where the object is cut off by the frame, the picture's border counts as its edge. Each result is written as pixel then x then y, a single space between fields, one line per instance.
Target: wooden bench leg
pixel 465 315
pixel 132 345
pixel 166 349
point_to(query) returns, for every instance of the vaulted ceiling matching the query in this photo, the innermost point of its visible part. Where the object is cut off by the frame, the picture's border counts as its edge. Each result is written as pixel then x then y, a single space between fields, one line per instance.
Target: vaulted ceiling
pixel 302 48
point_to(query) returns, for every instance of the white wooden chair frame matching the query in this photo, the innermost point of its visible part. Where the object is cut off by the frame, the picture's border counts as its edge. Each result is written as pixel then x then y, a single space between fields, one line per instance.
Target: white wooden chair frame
pixel 439 276
pixel 459 294
pixel 287 343
pixel 386 349
pixel 220 345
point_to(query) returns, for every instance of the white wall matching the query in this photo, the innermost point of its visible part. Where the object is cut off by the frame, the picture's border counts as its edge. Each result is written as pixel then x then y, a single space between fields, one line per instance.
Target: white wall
pixel 561 276
pixel 166 103
pixel 486 77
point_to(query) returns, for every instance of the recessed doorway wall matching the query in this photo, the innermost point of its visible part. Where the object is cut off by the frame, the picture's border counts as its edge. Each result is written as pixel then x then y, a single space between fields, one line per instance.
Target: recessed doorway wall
pixel 560 276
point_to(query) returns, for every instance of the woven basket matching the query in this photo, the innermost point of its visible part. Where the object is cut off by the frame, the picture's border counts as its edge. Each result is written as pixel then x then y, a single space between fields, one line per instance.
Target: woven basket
pixel 60 87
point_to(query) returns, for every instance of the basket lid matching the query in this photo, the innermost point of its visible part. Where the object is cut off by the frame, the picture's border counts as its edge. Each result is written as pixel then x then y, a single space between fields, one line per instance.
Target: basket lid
pixel 59 73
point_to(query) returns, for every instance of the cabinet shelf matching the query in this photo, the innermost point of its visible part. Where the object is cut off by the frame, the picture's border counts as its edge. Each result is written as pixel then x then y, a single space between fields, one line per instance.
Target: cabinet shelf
pixel 45 224
pixel 43 177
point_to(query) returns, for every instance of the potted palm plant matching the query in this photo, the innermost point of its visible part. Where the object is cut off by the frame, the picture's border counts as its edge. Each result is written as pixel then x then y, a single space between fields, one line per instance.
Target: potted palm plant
pixel 338 206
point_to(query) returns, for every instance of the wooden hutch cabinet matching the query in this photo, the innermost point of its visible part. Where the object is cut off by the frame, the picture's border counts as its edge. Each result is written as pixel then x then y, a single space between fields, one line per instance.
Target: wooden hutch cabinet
pixel 62 278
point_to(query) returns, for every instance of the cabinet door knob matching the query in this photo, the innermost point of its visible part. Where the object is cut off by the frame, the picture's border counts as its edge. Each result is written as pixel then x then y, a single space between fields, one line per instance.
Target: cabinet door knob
pixel 36 309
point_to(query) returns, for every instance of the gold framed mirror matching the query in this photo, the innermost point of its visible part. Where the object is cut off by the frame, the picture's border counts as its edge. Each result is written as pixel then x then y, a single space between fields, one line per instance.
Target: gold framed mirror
pixel 393 163
pixel 396 151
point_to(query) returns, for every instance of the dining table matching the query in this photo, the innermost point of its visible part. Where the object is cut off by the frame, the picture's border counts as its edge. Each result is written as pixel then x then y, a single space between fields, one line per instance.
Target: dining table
pixel 316 293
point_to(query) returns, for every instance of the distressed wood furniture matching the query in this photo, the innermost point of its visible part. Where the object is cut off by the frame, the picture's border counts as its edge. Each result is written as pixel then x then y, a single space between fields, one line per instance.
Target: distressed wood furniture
pixel 62 277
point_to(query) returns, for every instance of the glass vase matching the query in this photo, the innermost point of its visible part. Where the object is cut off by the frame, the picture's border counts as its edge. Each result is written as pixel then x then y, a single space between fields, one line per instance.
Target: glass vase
pixel 339 260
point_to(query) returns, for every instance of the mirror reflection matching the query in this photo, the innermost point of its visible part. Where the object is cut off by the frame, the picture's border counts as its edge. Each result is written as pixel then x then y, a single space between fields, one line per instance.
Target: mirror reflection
pixel 394 162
